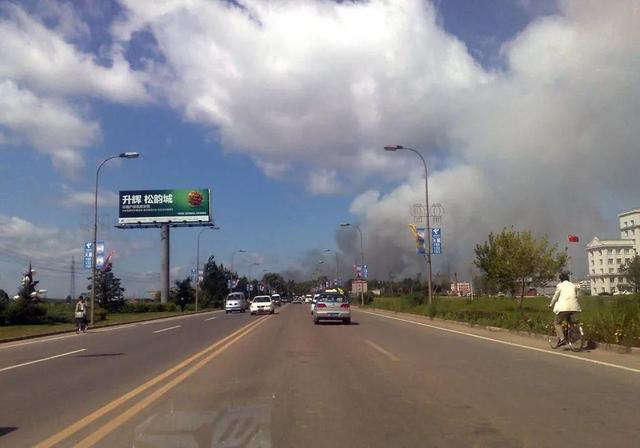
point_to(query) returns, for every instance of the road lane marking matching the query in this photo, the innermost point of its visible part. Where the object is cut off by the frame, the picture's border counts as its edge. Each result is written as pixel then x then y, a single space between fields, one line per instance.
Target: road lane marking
pixel 20 344
pixel 4 369
pixel 87 420
pixel 38 340
pixel 167 329
pixel 211 318
pixel 512 344
pixel 138 407
pixel 388 354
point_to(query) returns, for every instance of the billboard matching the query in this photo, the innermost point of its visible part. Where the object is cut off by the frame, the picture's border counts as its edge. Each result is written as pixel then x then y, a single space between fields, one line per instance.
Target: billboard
pixel 164 206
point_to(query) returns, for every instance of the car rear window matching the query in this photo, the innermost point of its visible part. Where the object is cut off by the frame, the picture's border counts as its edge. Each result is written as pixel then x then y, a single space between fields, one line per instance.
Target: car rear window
pixel 332 298
pixel 262 299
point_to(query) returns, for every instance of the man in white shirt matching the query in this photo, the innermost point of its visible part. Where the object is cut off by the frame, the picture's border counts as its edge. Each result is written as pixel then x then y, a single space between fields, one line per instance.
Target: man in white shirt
pixel 564 304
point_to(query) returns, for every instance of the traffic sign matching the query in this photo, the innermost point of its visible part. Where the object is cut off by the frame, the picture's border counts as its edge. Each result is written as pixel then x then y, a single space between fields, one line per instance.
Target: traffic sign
pixel 436 240
pixel 88 254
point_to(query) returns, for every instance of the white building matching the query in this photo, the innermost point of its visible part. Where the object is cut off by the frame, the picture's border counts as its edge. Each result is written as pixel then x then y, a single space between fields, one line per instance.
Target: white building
pixel 604 257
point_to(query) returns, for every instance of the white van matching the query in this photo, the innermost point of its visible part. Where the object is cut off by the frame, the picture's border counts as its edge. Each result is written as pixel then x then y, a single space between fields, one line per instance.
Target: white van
pixel 235 302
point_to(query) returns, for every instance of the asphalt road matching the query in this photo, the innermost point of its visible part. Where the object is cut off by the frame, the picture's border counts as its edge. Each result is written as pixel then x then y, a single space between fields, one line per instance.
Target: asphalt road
pixel 281 381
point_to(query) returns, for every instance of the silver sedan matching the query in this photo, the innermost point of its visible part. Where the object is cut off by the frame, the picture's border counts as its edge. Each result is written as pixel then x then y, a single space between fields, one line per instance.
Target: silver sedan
pixel 331 306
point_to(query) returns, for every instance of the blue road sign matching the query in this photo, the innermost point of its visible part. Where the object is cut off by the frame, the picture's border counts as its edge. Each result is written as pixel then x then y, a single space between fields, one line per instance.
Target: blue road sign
pixel 436 240
pixel 88 254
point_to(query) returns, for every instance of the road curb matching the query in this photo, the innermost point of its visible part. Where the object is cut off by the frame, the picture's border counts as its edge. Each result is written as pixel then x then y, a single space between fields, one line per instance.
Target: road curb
pixel 115 324
pixel 621 349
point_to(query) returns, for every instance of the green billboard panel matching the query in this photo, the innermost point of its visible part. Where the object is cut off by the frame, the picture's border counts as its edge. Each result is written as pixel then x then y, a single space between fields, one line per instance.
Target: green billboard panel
pixel 165 206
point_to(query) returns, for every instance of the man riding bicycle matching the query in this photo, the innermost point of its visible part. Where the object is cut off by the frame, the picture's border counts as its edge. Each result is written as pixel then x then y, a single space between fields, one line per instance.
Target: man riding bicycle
pixel 564 304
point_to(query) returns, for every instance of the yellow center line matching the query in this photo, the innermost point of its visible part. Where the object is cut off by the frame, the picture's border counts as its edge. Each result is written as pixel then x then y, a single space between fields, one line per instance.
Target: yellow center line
pixel 388 354
pixel 84 422
pixel 134 410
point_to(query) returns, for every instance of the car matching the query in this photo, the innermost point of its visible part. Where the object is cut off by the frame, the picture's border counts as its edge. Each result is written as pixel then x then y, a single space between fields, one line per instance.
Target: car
pixel 297 299
pixel 308 298
pixel 332 306
pixel 262 305
pixel 276 299
pixel 235 302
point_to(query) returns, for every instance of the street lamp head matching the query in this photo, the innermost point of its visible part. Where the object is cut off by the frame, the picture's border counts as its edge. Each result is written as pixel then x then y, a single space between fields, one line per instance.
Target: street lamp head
pixel 242 251
pixel 393 147
pixel 327 250
pixel 130 155
pixel 345 224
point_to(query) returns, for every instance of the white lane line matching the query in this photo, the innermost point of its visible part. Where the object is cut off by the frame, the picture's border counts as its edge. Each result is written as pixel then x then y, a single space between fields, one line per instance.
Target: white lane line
pixel 20 344
pixel 211 318
pixel 169 319
pixel 388 354
pixel 114 328
pixel 512 344
pixel 167 329
pixel 4 369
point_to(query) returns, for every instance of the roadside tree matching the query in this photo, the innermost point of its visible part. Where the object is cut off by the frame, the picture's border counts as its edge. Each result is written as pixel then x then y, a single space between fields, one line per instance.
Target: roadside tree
pixel 184 293
pixel 214 282
pixel 631 270
pixel 514 260
pixel 109 292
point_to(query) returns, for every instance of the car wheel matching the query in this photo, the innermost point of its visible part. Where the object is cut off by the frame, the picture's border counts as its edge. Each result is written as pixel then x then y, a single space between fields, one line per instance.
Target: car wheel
pixel 316 321
pixel 347 321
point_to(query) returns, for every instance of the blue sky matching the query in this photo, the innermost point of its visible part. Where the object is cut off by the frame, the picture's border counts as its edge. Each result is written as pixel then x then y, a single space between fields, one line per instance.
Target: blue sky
pixel 285 125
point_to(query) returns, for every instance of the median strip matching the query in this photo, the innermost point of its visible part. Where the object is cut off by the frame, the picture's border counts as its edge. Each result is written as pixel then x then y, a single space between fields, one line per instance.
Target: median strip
pixel 4 369
pixel 89 419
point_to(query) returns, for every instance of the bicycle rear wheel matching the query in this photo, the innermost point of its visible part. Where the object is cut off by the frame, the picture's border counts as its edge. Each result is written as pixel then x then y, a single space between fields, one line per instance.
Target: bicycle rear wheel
pixel 554 342
pixel 575 337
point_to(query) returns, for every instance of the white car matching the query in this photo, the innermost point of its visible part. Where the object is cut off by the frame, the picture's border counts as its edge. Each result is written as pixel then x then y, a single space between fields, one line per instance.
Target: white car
pixel 308 298
pixel 262 305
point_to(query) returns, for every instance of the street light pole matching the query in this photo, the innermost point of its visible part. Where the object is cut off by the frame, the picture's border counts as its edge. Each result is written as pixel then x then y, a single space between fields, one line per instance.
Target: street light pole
pixel 357 227
pixel 214 227
pixel 428 229
pixel 124 155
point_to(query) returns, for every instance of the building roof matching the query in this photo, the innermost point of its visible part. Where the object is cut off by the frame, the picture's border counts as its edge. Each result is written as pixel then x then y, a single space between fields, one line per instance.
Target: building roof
pixel 598 243
pixel 628 212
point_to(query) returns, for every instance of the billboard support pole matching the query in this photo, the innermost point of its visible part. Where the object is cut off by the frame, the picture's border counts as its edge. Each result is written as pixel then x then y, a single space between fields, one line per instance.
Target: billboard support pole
pixel 164 263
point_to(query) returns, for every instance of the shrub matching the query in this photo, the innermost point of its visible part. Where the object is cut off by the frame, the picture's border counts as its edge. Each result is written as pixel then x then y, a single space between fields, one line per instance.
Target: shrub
pixel 23 311
pixel 172 307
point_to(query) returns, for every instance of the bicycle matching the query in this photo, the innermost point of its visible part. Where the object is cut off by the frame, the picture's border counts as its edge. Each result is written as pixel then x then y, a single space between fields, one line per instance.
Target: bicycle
pixel 573 334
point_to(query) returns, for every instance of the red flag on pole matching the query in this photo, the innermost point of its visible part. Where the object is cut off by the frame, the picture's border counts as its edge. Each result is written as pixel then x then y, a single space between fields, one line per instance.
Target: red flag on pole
pixel 573 239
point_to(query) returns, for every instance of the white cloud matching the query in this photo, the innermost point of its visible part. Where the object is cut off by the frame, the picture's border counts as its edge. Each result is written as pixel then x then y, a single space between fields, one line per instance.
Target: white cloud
pixel 44 79
pixel 309 83
pixel 324 182
pixel 51 126
pixel 87 198
pixel 42 59
pixel 547 143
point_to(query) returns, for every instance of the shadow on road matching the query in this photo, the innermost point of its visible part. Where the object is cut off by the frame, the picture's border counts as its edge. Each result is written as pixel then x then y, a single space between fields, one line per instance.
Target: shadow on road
pixel 4 430
pixel 336 323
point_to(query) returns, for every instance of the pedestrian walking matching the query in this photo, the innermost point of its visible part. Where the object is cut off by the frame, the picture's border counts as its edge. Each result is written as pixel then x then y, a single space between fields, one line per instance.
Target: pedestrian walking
pixel 81 315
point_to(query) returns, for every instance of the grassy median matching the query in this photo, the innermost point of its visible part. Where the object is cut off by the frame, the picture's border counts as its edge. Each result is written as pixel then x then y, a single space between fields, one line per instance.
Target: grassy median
pixel 613 320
